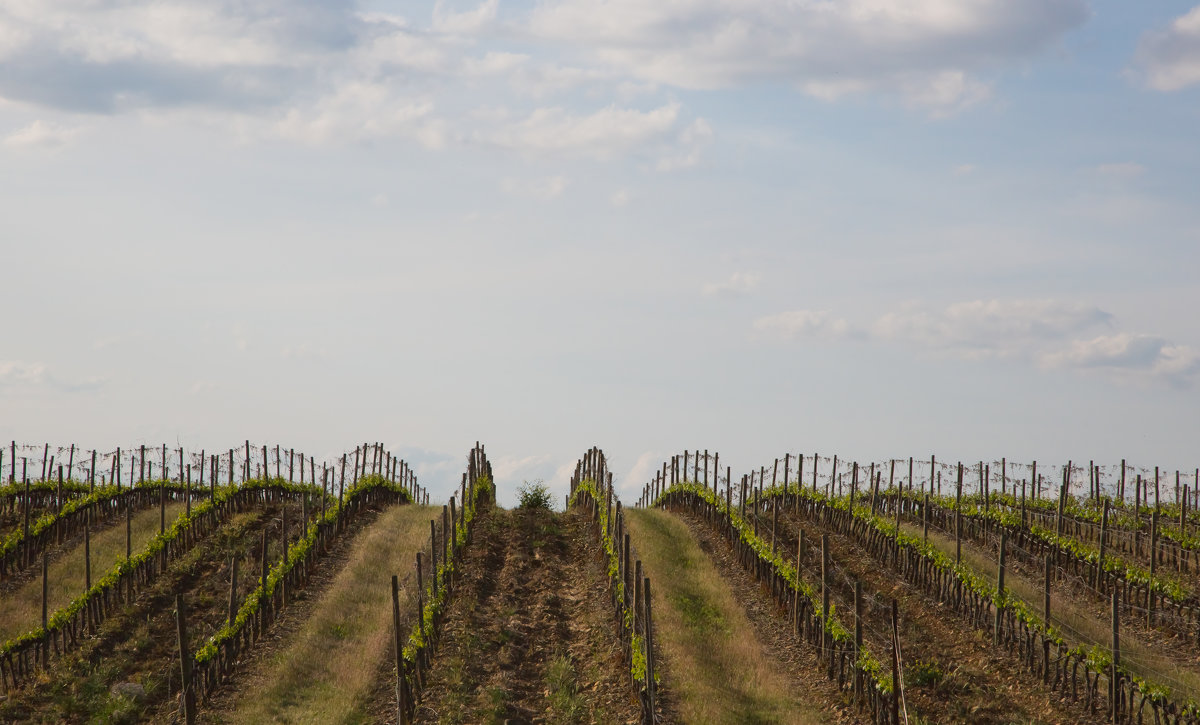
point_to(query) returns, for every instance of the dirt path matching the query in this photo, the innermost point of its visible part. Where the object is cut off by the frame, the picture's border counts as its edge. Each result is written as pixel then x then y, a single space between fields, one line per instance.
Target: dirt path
pixel 725 658
pixel 319 663
pixel 21 605
pixel 529 636
pixel 953 673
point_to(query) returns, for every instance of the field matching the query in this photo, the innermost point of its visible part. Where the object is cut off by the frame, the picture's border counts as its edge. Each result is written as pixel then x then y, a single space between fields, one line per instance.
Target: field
pixel 885 592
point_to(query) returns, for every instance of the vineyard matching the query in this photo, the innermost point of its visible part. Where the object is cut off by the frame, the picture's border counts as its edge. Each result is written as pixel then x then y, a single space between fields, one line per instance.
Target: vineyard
pixel 258 584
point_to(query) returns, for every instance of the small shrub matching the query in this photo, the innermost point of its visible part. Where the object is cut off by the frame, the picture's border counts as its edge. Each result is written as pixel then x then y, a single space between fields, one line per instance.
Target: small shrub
pixel 924 673
pixel 534 495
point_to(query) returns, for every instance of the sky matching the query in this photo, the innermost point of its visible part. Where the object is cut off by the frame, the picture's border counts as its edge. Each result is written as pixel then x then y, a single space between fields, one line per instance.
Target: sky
pixel 876 228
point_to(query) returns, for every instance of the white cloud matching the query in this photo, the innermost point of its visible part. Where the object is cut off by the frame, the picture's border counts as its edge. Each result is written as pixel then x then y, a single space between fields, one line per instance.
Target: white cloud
pixel 512 467
pixel 620 198
pixel 1170 58
pixel 1049 333
pixel 1139 355
pixel 600 135
pixel 692 141
pixel 643 470
pixel 362 111
pixel 964 169
pixel 40 134
pixel 537 189
pixel 467 22
pixel 18 373
pixel 924 51
pixel 989 326
pixel 739 284
pixel 796 324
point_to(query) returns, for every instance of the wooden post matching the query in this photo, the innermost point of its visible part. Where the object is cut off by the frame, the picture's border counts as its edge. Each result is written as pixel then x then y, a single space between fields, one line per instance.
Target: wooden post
pixel 1115 679
pixel 433 559
pixel 129 541
pixel 1046 589
pixel 398 649
pixel 853 486
pixel 58 502
pixel 650 687
pixel 1153 562
pixel 825 591
pixel 958 518
pixel 858 634
pixel 25 504
pixel 932 471
pixel 925 516
pixel 1062 499
pixel 87 552
pixel 262 592
pixel 283 536
pixel 45 611
pixel 774 521
pixel 1098 582
pixel 897 685
pixel 233 577
pixel 186 696
pixel 1000 588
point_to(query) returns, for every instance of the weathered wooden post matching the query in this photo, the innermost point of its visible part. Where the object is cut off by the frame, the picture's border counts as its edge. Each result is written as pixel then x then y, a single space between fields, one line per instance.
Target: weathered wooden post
pixel 858 636
pixel 45 611
pixel 1046 589
pixel 958 518
pixel 263 600
pixel 87 551
pixel 825 641
pixel 649 627
pixel 398 649
pixel 925 517
pixel 186 696
pixel 1098 581
pixel 897 685
pixel 233 577
pixel 1153 565
pixel 1115 679
pixel 1000 598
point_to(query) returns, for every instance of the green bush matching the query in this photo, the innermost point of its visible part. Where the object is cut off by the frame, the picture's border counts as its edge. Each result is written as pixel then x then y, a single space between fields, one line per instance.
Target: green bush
pixel 533 495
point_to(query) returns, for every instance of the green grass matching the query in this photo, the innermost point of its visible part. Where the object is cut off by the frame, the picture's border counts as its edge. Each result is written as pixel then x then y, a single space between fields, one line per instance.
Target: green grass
pixel 21 611
pixel 567 706
pixel 326 670
pixel 719 672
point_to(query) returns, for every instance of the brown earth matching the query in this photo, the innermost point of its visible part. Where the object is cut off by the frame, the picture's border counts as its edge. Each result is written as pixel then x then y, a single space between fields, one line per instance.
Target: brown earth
pixel 529 636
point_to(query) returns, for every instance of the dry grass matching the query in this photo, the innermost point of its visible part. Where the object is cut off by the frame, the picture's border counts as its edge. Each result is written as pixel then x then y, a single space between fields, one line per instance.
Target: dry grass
pixel 21 610
pixel 1077 620
pixel 719 671
pixel 327 671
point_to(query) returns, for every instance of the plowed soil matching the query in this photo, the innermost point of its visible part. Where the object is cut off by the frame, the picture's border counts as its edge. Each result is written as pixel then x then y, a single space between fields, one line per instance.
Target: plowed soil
pixel 952 671
pixel 529 636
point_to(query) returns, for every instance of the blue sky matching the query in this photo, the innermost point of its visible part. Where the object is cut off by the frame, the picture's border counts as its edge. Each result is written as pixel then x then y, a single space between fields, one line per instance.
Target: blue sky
pixel 872 228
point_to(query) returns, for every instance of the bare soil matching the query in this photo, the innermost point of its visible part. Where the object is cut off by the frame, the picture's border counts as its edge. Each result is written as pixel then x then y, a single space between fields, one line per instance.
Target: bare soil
pixel 529 636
